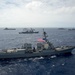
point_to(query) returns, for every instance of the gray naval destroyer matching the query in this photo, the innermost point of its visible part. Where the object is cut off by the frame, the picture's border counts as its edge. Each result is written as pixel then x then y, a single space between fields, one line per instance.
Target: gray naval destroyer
pixel 42 50
pixel 28 31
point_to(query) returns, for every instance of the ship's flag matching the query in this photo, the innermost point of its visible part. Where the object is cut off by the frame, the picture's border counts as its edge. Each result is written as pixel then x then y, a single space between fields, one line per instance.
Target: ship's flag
pixel 40 40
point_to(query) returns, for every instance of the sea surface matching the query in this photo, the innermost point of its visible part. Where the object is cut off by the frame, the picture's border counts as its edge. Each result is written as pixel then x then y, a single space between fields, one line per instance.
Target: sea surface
pixel 62 65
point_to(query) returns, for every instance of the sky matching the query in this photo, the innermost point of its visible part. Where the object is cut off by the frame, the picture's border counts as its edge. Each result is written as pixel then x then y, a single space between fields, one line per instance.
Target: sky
pixel 37 13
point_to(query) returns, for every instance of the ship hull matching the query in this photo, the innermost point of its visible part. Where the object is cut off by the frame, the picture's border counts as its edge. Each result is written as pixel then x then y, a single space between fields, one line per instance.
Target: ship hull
pixel 27 32
pixel 43 53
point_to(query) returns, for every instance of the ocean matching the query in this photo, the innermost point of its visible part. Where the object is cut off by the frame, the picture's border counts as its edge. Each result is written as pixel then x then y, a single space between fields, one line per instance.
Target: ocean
pixel 61 65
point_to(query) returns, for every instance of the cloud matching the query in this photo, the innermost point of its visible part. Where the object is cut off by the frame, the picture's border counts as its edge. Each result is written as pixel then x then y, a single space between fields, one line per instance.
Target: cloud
pixel 34 5
pixel 32 12
pixel 59 7
pixel 53 6
pixel 62 11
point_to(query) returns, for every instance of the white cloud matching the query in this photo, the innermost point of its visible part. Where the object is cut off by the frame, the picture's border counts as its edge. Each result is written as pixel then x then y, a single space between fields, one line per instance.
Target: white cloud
pixel 34 5
pixel 62 11
pixel 40 5
pixel 36 12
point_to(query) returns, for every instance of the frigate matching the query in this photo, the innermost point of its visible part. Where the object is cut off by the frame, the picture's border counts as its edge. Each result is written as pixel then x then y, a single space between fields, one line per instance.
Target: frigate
pixel 28 31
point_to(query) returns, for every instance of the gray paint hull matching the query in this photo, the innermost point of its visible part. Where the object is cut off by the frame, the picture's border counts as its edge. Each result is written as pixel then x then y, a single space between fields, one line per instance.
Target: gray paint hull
pixel 43 53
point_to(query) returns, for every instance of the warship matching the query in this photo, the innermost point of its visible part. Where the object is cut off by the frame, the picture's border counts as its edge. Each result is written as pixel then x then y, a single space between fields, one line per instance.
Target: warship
pixel 43 49
pixel 9 29
pixel 28 31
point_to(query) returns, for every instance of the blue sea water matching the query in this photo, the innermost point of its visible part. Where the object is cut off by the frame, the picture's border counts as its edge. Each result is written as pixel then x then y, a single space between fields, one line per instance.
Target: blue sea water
pixel 62 65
